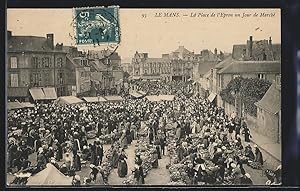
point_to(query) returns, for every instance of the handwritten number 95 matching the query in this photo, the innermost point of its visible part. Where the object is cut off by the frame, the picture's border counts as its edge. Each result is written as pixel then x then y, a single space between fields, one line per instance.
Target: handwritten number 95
pixel 144 15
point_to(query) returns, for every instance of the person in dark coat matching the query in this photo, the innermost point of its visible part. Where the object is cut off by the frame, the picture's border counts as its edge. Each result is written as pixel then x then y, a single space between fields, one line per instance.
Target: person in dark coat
pixel 247 135
pixel 248 153
pixel 258 155
pixel 138 159
pixel 162 140
pixel 122 165
pixel 99 153
pixel 151 135
pixel 93 154
pixel 115 158
pixel 77 162
pixel 139 175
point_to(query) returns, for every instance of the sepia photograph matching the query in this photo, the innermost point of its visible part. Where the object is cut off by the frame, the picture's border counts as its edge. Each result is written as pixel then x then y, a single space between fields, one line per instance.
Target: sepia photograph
pixel 112 96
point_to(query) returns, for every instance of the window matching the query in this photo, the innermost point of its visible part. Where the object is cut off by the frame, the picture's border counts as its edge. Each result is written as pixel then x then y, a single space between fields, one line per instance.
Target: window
pixel 46 62
pixel 35 62
pixel 14 80
pixel 82 74
pixel 60 76
pixel 13 62
pixel 220 82
pixel 261 76
pixel 59 62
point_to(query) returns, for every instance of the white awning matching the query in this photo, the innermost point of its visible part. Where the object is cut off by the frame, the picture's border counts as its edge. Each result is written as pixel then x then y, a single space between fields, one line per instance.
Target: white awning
pixel 153 98
pixel 136 94
pixel 68 100
pixel 50 93
pixel 94 99
pixel 167 97
pixel 113 98
pixel 211 97
pixel 37 93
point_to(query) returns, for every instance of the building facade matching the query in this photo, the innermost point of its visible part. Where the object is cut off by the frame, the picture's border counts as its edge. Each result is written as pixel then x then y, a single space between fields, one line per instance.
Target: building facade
pixel 269 112
pixel 106 73
pixel 34 62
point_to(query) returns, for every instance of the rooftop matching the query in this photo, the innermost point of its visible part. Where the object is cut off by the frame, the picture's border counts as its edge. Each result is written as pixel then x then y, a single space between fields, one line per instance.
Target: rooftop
pixel 252 67
pixel 271 102
pixel 28 43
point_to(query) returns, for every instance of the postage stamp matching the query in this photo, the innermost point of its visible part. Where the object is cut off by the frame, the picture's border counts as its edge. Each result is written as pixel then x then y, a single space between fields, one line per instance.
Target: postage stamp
pixel 96 25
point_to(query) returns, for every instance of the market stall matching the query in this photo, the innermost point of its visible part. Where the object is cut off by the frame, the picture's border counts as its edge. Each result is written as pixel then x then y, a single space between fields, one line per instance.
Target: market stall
pixel 49 176
pixel 68 100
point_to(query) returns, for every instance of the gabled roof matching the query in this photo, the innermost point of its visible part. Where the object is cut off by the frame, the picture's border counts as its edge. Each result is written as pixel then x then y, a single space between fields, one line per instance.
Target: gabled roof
pixel 224 63
pixel 27 43
pixel 181 50
pixel 251 67
pixel 271 102
pixel 204 67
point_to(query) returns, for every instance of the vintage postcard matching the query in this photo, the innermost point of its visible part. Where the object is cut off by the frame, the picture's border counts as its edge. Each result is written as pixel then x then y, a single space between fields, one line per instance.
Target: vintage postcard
pixel 100 96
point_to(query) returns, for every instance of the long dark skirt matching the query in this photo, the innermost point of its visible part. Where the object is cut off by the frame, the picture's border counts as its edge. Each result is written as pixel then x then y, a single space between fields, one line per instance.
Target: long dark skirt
pixel 122 168
pixel 115 160
pixel 140 180
pixel 77 163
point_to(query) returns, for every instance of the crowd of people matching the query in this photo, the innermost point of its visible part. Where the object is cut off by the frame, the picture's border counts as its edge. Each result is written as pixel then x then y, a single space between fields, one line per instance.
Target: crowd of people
pixel 71 135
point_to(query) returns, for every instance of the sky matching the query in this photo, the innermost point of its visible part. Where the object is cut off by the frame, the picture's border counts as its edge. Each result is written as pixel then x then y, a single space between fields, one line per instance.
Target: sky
pixel 142 31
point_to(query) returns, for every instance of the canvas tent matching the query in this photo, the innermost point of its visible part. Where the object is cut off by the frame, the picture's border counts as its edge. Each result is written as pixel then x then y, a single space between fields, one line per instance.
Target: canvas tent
pixel 27 105
pixel 153 98
pixel 14 105
pixel 94 99
pixel 142 92
pixel 136 94
pixel 68 100
pixel 50 176
pixel 113 98
pixel 167 97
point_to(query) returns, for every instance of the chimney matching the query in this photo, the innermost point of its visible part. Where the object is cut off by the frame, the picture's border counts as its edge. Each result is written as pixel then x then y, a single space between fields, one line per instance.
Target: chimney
pixel 50 40
pixel 9 34
pixel 250 47
pixel 216 51
pixel 270 41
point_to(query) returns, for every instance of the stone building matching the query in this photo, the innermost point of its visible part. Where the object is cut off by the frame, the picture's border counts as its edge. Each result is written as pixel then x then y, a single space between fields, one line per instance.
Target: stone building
pixel 35 63
pixel 269 112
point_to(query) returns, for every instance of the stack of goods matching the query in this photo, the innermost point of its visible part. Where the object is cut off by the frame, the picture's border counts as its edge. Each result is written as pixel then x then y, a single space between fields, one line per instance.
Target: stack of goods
pixel 178 175
pixel 146 151
pixel 106 138
pixel 107 164
pixel 255 165
pixel 129 180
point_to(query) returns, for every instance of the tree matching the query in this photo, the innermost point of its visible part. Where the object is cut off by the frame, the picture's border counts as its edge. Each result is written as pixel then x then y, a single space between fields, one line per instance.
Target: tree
pixel 250 89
